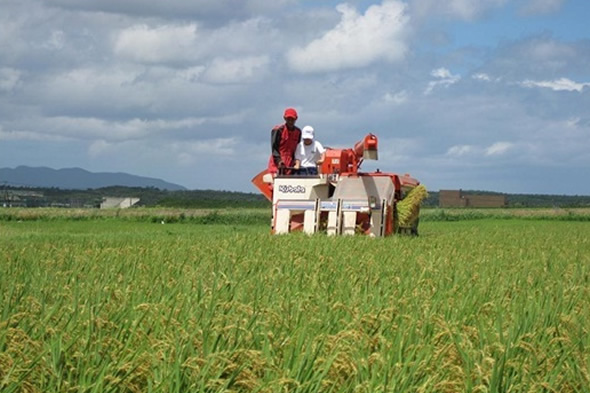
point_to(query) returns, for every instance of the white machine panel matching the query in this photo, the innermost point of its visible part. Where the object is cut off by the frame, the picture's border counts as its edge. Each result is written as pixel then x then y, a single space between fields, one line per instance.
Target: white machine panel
pixel 368 188
pixel 298 188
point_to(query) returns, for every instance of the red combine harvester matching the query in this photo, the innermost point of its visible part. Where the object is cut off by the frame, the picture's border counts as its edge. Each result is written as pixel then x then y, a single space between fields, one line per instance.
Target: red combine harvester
pixel 340 200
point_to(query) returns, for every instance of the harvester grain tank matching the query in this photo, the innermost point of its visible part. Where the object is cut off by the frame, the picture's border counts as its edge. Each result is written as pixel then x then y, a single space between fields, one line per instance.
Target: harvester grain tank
pixel 341 200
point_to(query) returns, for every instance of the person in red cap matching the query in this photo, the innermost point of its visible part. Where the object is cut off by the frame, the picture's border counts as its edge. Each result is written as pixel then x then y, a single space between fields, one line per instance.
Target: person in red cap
pixel 284 139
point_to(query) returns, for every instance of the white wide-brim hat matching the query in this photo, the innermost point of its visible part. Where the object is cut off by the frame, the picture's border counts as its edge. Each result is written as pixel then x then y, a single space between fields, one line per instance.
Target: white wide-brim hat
pixel 307 132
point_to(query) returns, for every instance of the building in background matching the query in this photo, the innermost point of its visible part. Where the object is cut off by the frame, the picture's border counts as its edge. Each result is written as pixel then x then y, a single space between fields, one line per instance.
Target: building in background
pixel 118 202
pixel 457 198
pixel 20 198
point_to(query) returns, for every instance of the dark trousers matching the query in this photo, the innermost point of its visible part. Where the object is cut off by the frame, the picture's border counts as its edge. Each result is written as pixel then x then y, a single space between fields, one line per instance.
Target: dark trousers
pixel 308 171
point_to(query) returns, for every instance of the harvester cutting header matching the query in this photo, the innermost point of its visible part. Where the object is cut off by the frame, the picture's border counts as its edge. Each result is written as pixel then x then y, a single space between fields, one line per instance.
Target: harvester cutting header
pixel 341 200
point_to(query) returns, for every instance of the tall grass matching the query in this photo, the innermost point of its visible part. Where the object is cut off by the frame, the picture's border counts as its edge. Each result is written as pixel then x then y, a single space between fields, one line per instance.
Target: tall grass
pixel 250 216
pixel 125 306
pixel 154 215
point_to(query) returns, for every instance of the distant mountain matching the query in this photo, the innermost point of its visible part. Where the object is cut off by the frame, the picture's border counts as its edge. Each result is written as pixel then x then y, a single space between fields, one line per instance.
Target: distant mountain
pixel 77 179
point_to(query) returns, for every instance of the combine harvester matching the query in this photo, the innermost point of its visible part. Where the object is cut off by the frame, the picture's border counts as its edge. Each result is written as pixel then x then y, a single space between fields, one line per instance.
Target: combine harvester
pixel 341 200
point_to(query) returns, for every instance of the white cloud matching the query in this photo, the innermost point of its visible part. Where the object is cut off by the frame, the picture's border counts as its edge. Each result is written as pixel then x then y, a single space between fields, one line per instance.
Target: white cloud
pixel 97 128
pixel 470 9
pixel 459 150
pixel 562 84
pixel 251 36
pixel 56 40
pixel 21 135
pixel 158 88
pixel 396 98
pixel 167 43
pixel 214 11
pixel 236 70
pixel 95 90
pixel 573 122
pixel 459 9
pixel 249 42
pixel 442 73
pixel 83 79
pixel 357 41
pixel 548 50
pixel 535 7
pixel 498 148
pixel 9 78
pixel 538 56
pixel 98 148
pixel 191 151
pixel 190 74
pixel 482 77
pixel 110 131
pixel 445 79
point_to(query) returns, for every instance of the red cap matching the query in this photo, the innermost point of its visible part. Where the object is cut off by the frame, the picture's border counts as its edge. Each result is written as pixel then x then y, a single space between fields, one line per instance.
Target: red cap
pixel 290 112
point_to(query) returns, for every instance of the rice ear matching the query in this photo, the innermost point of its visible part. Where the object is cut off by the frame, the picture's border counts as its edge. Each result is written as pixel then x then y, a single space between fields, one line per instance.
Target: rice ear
pixel 408 208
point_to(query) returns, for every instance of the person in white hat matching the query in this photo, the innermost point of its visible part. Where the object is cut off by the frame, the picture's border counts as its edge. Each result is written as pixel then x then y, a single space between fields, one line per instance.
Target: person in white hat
pixel 309 153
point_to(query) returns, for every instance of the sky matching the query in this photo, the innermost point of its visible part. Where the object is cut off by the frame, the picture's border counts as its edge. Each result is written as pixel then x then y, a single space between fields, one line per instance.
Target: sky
pixel 489 95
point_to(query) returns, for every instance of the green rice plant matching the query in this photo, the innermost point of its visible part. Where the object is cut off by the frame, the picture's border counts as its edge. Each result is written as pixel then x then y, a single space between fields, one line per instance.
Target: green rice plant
pixel 120 305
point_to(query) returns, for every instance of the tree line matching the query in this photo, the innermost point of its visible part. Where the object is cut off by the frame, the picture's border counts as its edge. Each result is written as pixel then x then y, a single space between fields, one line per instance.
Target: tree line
pixel 151 197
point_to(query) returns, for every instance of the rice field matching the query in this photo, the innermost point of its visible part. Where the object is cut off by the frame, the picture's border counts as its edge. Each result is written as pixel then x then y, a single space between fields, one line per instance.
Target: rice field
pixel 474 304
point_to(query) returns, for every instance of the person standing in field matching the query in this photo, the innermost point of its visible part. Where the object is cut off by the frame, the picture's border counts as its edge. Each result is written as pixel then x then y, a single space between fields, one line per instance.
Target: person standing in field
pixel 309 153
pixel 284 139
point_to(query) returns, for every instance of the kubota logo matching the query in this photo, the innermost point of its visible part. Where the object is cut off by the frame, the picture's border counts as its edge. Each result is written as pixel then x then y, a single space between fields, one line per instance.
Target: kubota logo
pixel 292 189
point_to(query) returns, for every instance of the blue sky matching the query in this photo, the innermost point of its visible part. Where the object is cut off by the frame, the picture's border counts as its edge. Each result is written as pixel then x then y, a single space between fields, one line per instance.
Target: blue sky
pixel 473 94
pixel 569 22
